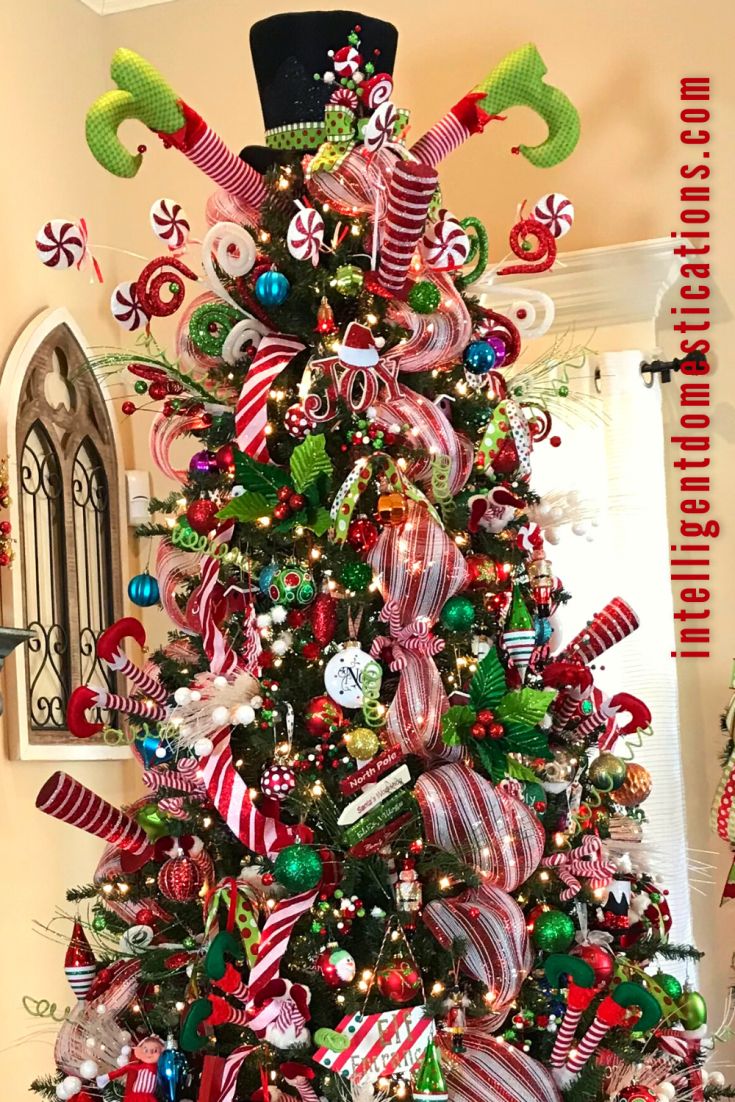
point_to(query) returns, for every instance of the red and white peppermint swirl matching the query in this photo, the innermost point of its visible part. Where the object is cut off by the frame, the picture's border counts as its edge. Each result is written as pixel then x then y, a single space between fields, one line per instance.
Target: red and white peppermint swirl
pixel 305 235
pixel 445 244
pixel 347 61
pixel 169 222
pixel 378 89
pixel 344 97
pixel 556 212
pixel 60 243
pixel 126 308
pixel 379 127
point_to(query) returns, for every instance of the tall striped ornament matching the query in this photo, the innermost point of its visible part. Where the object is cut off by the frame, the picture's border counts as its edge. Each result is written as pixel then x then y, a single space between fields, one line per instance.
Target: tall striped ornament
pixel 275 353
pixel 519 634
pixel 410 191
pixel 222 656
pixel 80 966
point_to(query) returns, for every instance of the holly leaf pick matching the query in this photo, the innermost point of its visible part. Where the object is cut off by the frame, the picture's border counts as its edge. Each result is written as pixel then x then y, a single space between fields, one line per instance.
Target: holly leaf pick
pixel 309 460
pixel 488 685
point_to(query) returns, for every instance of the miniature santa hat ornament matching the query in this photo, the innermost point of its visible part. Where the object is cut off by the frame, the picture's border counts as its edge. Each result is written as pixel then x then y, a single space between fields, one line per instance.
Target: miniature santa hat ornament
pixel 358 349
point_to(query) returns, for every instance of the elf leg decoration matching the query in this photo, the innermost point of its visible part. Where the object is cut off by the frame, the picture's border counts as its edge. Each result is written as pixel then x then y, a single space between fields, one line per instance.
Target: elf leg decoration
pixel 110 648
pixel 144 94
pixel 517 80
pixel 86 696
pixel 580 980
pixel 613 1012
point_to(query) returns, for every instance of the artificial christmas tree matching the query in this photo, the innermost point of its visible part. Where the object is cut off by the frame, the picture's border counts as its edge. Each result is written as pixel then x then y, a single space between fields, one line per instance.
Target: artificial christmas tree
pixel 387 845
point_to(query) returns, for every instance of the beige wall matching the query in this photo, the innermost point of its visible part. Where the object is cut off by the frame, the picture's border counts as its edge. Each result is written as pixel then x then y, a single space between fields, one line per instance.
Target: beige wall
pixel 619 60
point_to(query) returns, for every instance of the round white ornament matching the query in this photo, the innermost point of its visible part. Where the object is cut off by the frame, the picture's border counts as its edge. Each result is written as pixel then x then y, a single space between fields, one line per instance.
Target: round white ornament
pixel 343 676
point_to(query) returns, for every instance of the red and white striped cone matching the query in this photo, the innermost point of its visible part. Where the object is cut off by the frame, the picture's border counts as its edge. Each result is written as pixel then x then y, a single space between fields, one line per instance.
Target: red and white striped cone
pixel 609 1014
pixel 411 188
pixel 614 623
pixel 578 1000
pixel 66 799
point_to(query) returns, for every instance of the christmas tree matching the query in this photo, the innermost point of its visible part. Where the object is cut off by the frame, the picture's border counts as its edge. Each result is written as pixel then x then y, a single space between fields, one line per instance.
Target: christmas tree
pixel 387 843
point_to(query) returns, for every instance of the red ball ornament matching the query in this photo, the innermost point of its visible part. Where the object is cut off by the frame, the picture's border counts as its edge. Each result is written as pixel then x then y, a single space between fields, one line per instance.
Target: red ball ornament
pixel 399 981
pixel 128 408
pixel 555 441
pixel 321 715
pixel 296 423
pixel 297 617
pixel 337 966
pixel 281 511
pixel 158 391
pixel 636 1094
pixel 324 618
pixel 600 960
pixel 180 879
pixel 482 571
pixel 225 457
pixel 201 515
pixel 296 502
pixel 362 535
pixel 277 781
pixel 311 651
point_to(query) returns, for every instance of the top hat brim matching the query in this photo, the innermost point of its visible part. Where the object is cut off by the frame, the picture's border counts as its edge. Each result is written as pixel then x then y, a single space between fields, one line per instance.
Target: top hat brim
pixel 261 157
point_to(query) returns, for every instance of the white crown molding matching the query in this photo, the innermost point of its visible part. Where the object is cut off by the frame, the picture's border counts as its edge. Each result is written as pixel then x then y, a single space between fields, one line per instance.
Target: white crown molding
pixel 613 285
pixel 114 7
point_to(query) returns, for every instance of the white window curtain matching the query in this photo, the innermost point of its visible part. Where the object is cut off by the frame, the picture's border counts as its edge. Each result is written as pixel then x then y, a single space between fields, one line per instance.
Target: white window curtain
pixel 616 460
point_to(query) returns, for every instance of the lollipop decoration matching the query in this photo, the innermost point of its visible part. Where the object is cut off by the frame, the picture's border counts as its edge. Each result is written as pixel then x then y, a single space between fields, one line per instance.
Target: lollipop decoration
pixel 556 212
pixel 126 307
pixel 61 243
pixel 306 235
pixel 445 245
pixel 380 127
pixel 377 90
pixel 169 223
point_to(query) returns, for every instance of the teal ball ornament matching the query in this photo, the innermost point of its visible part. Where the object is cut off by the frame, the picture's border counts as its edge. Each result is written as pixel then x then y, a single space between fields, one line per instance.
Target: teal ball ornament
pixel 292 585
pixel 266 576
pixel 272 288
pixel 424 297
pixel 553 931
pixel 143 590
pixel 172 1073
pixel 458 614
pixel 298 868
pixel 479 357
pixel 356 575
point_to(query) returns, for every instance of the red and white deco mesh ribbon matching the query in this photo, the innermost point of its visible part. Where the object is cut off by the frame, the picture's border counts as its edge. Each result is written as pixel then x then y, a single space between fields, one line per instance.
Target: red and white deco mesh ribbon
pixel 275 352
pixel 483 825
pixel 66 799
pixel 222 656
pixel 614 623
pixel 492 1070
pixel 409 195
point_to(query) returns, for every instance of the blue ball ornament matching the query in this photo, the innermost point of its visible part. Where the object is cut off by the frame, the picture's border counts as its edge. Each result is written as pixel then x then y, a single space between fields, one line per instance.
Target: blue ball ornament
pixel 479 357
pixel 152 748
pixel 143 590
pixel 271 288
pixel 266 577
pixel 172 1073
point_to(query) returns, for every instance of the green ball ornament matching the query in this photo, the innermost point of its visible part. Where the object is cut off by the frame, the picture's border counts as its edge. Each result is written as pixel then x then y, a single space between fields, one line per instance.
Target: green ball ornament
pixel 298 868
pixel 292 585
pixel 563 391
pixel 607 772
pixel 692 1010
pixel 669 984
pixel 424 297
pixel 553 932
pixel 356 575
pixel 458 614
pixel 141 387
pixel 348 280
pixel 153 822
pixel 99 923
pixel 189 942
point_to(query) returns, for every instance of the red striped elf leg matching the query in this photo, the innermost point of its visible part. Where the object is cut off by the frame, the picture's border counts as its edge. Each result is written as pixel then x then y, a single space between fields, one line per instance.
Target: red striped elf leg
pixel 411 188
pixel 233 983
pixel 208 152
pixel 224 1014
pixel 110 648
pixel 444 137
pixel 299 1077
pixel 66 799
pixel 614 1011
pixel 578 1000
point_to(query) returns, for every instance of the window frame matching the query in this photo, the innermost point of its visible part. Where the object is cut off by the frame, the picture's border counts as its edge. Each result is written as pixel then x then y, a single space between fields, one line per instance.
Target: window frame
pixel 56 328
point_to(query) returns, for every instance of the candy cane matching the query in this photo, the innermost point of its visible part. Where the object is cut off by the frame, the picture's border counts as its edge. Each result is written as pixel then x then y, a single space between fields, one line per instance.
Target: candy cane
pixel 274 353
pixel 581 985
pixel 68 800
pixel 144 94
pixel 274 939
pixel 110 650
pixel 185 778
pixel 613 1011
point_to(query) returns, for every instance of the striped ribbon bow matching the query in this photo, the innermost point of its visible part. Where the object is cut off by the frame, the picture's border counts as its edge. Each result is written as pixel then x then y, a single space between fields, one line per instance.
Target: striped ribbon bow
pixel 583 863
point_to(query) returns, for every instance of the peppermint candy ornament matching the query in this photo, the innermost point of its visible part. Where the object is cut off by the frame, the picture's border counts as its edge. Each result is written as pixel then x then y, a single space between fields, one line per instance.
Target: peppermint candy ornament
pixel 169 223
pixel 305 235
pixel 378 89
pixel 344 97
pixel 556 212
pixel 346 61
pixel 445 244
pixel 60 243
pixel 126 308
pixel 379 127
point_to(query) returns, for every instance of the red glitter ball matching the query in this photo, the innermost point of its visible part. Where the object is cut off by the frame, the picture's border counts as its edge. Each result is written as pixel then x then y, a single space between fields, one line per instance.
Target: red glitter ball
pixel 555 441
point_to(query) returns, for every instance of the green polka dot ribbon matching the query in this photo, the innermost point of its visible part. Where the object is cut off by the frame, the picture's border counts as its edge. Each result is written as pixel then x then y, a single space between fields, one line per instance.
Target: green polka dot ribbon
pixel 235 895
pixel 357 482
pixel 340 128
